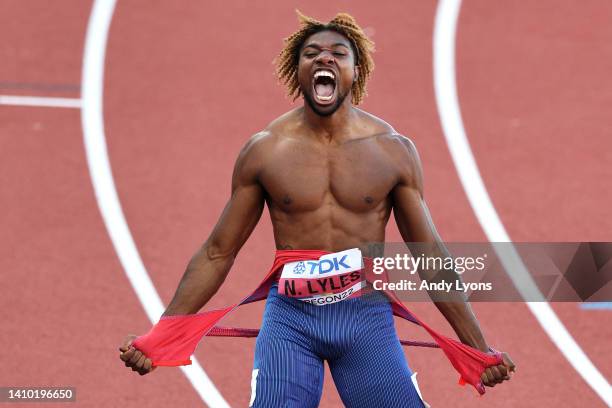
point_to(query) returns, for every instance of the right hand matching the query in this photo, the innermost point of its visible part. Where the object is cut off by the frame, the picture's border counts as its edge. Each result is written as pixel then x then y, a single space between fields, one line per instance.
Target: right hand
pixel 134 358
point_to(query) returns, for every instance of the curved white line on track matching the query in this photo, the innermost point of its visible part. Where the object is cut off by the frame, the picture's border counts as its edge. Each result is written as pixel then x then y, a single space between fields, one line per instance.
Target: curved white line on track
pixel 92 120
pixel 452 124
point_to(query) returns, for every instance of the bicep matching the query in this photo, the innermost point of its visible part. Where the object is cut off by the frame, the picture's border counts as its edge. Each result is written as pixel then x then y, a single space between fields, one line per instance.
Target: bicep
pixel 238 219
pixel 412 215
pixel 409 208
pixel 244 208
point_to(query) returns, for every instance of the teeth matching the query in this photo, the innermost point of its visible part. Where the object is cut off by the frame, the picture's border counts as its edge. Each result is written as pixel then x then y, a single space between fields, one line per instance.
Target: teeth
pixel 325 74
pixel 325 98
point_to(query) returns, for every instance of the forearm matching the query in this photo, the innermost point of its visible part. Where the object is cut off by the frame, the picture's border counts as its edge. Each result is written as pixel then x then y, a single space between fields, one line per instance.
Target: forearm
pixel 417 229
pixel 453 304
pixel 463 321
pixel 203 276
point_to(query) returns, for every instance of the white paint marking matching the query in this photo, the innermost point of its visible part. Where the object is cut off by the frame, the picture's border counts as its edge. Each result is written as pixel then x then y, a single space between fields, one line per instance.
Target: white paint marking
pixel 40 101
pixel 454 132
pixel 102 179
pixel 254 375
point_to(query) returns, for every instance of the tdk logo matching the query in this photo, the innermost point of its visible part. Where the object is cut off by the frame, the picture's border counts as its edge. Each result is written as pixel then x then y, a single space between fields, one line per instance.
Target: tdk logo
pixel 300 268
pixel 337 263
pixel 323 266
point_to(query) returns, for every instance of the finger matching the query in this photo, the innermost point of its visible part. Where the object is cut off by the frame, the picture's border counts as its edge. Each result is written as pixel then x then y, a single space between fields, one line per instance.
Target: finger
pixel 135 366
pixel 127 343
pixel 135 357
pixel 509 363
pixel 148 365
pixel 140 365
pixel 140 362
pixel 497 377
pixel 485 379
pixel 127 355
pixel 490 377
pixel 503 371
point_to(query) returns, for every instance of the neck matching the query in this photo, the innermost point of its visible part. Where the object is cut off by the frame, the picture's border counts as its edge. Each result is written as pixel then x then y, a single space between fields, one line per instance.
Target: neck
pixel 332 127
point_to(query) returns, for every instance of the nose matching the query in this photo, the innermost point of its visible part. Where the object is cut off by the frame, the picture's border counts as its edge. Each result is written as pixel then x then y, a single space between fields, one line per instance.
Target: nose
pixel 325 57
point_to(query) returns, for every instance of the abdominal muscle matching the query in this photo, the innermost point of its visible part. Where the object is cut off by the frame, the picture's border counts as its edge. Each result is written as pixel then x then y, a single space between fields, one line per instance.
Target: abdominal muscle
pixel 330 228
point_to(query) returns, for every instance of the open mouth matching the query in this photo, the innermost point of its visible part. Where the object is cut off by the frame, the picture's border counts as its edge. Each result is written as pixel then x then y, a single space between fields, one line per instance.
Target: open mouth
pixel 324 86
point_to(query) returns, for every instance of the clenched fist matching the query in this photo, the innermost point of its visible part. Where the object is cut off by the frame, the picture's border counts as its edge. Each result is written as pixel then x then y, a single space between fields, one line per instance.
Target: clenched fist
pixel 134 358
pixel 500 373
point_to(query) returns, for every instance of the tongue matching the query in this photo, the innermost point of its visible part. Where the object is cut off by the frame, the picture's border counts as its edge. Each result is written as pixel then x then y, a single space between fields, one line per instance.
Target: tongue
pixel 324 89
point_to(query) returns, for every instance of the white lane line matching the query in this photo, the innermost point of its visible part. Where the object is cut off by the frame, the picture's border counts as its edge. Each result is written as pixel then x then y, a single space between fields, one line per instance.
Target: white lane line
pixel 456 138
pixel 92 119
pixel 42 101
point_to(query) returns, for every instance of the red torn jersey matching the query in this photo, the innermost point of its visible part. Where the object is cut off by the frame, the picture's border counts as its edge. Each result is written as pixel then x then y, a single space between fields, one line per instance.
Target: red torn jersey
pixel 173 340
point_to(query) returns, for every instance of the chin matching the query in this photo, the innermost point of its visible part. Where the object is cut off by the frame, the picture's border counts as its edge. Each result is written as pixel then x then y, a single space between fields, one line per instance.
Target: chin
pixel 323 110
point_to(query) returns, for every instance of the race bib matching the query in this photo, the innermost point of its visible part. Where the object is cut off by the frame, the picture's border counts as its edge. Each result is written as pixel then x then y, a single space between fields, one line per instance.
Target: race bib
pixel 329 279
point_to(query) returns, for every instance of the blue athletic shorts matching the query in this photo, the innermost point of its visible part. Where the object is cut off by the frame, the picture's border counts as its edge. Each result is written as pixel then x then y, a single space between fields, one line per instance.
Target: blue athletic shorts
pixel 357 338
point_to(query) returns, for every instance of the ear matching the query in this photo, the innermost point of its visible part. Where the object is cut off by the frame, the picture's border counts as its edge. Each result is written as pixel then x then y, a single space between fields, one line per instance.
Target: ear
pixel 356 73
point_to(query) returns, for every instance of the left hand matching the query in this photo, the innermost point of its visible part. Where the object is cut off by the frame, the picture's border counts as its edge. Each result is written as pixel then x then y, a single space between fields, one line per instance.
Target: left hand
pixel 499 373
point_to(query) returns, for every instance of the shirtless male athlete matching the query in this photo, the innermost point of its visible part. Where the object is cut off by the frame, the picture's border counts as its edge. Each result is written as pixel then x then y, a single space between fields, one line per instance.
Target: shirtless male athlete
pixel 330 175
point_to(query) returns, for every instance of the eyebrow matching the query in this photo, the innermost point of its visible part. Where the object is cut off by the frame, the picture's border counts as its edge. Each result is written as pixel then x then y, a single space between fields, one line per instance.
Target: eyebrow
pixel 317 46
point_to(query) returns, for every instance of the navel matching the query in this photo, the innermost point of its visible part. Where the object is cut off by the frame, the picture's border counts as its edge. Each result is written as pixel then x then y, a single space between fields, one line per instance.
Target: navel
pixel 287 200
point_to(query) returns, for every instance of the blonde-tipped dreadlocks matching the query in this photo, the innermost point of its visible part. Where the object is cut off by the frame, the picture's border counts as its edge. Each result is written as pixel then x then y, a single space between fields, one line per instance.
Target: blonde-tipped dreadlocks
pixel 343 23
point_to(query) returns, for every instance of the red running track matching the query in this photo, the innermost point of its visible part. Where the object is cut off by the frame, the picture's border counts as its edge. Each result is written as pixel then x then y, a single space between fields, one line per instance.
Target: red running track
pixel 186 84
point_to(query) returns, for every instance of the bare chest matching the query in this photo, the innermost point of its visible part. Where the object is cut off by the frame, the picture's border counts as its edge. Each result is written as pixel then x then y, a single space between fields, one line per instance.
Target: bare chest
pixel 355 176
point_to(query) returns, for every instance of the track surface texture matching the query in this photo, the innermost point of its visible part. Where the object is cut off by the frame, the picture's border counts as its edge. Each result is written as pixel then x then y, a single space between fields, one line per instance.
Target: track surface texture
pixel 186 83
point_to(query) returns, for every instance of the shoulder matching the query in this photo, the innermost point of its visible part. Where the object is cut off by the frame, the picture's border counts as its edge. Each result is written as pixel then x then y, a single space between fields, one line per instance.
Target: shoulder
pixel 266 139
pixel 385 133
pixel 372 124
pixel 403 155
pixel 261 146
pixel 399 150
pixel 285 122
pixel 255 144
pixel 406 159
pixel 251 157
pixel 394 143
